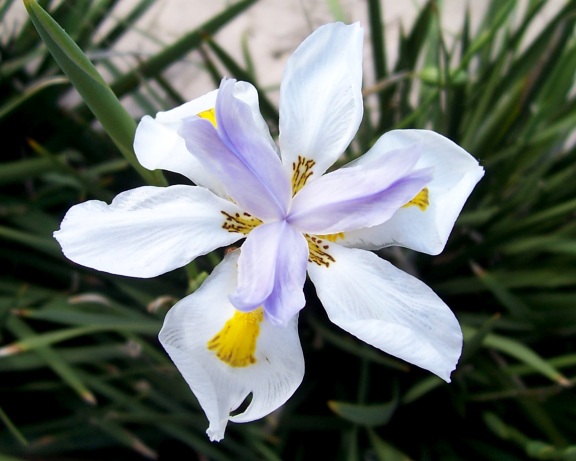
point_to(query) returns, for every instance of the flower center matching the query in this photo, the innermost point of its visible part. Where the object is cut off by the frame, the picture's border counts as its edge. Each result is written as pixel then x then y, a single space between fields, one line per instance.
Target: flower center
pixel 301 171
pixel 235 343
pixel 421 200
pixel 317 248
pixel 242 223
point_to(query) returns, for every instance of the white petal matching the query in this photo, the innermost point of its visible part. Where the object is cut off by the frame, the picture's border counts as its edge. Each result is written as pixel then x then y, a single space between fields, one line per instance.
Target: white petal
pixel 146 231
pixel 456 173
pixel 220 389
pixel 158 146
pixel 388 309
pixel 320 96
pixel 357 197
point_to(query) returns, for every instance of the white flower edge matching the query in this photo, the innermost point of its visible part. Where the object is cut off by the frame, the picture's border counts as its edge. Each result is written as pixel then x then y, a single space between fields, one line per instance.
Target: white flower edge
pixel 456 173
pixel 219 388
pixel 389 309
pixel 321 102
pixel 158 145
pixel 147 231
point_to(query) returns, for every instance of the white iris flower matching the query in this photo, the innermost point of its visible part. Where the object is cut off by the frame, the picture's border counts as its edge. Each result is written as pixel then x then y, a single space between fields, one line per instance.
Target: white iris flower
pixel 237 335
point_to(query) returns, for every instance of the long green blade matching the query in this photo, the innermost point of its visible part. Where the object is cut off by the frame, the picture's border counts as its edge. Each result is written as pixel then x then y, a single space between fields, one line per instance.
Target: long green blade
pixel 92 88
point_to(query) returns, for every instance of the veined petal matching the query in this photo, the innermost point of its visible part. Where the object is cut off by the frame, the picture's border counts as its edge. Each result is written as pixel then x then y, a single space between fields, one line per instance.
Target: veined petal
pixel 389 309
pixel 146 231
pixel 158 146
pixel 287 297
pixel 272 272
pixel 455 174
pixel 240 156
pixel 355 197
pixel 220 388
pixel 246 92
pixel 320 97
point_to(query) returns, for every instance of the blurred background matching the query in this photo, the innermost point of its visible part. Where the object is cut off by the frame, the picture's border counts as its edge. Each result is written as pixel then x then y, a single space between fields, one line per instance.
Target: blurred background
pixel 82 375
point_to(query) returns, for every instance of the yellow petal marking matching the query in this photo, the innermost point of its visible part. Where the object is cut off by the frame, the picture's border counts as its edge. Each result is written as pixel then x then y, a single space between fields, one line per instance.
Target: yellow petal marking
pixel 317 248
pixel 421 200
pixel 235 343
pixel 209 115
pixel 242 223
pixel 332 237
pixel 301 171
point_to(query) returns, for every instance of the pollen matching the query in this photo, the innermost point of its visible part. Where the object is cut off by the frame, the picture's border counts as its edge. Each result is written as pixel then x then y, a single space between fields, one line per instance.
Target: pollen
pixel 242 223
pixel 318 248
pixel 301 172
pixel 235 343
pixel 421 200
pixel 210 115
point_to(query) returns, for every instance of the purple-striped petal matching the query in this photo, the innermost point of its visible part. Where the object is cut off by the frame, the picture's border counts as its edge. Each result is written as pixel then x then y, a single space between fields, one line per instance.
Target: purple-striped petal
pixel 244 185
pixel 240 156
pixel 272 271
pixel 242 134
pixel 456 173
pixel 355 197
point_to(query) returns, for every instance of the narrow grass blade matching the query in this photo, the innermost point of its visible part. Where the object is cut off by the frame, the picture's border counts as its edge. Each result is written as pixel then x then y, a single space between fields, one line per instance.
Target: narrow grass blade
pixel 365 415
pixel 53 360
pixel 521 352
pixel 14 172
pixel 177 50
pixel 53 337
pixel 384 451
pixel 268 110
pixel 377 40
pixel 12 429
pixel 14 103
pixel 94 90
pixel 45 245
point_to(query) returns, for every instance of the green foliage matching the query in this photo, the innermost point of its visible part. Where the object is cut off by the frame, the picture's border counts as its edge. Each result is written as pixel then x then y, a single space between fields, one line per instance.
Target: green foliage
pixel 77 348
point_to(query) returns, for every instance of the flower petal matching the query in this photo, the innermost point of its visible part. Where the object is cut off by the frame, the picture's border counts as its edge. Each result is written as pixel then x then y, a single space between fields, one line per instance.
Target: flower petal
pixel 320 96
pixel 220 388
pixel 146 231
pixel 247 93
pixel 158 146
pixel 388 309
pixel 240 156
pixel 355 197
pixel 455 174
pixel 272 272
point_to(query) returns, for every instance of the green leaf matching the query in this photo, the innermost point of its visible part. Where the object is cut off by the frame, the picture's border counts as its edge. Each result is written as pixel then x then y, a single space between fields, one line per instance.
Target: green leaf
pixel 10 458
pixel 521 352
pixel 422 388
pixel 56 336
pixel 12 428
pixel 10 106
pixel 515 305
pixel 92 88
pixel 384 451
pixel 365 415
pixel 53 360
pixel 178 50
pixel 473 344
